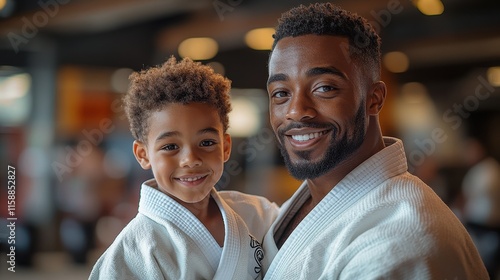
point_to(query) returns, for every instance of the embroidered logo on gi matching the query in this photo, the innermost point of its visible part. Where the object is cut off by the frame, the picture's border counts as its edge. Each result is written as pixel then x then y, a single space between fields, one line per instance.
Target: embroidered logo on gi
pixel 258 254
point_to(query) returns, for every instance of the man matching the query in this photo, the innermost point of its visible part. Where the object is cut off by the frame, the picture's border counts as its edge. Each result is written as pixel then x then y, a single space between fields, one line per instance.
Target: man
pixel 359 214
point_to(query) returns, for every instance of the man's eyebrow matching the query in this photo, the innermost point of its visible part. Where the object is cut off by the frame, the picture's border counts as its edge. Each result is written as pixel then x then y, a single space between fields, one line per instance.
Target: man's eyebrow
pixel 325 70
pixel 311 72
pixel 277 78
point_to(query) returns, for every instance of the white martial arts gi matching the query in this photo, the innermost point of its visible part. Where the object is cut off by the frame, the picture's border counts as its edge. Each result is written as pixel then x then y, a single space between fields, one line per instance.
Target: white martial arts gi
pixel 166 241
pixel 378 222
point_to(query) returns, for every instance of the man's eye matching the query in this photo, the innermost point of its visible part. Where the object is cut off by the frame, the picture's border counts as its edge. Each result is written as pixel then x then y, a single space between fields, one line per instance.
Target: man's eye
pixel 169 147
pixel 206 143
pixel 280 94
pixel 325 88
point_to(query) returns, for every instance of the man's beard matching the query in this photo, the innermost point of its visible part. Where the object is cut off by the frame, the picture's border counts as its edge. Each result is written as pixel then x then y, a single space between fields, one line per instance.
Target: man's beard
pixel 337 151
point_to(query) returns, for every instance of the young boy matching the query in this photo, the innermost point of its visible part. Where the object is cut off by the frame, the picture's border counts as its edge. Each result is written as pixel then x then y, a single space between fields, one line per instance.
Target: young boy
pixel 185 229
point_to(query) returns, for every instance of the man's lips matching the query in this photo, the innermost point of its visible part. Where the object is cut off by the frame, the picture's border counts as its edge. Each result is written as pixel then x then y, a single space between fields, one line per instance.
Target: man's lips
pixel 305 138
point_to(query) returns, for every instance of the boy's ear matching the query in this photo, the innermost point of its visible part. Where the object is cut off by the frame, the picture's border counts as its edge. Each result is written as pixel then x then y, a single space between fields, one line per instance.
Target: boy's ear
pixel 375 99
pixel 227 146
pixel 141 154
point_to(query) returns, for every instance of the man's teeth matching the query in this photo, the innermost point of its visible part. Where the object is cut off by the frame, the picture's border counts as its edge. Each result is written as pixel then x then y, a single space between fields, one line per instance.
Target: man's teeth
pixel 190 179
pixel 306 137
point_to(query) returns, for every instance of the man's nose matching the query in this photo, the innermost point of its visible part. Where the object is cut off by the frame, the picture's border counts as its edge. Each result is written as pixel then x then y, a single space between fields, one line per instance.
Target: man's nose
pixel 301 107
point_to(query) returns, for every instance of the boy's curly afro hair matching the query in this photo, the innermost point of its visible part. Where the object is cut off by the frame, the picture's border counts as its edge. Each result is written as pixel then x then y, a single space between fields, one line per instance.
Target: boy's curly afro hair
pixel 182 82
pixel 328 19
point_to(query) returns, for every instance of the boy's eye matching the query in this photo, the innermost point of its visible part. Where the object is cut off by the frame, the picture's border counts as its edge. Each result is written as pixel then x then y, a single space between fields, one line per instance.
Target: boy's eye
pixel 170 147
pixel 207 143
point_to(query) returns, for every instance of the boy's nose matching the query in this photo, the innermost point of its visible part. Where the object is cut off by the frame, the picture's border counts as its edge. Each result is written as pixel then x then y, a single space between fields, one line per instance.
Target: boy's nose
pixel 190 159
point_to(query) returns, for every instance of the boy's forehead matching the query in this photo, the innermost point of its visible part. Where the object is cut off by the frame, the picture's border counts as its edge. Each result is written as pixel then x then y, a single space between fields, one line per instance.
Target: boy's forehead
pixel 185 117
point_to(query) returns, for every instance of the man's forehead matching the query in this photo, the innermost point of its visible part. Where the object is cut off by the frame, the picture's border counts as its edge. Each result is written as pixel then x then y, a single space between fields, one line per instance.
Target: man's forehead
pixel 310 43
pixel 289 50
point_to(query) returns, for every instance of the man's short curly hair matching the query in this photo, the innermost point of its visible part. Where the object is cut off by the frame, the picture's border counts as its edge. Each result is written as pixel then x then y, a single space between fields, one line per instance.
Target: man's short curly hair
pixel 328 19
pixel 182 82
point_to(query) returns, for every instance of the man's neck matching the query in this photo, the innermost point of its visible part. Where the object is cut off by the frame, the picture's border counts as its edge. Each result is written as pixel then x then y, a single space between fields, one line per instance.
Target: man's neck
pixel 294 222
pixel 321 186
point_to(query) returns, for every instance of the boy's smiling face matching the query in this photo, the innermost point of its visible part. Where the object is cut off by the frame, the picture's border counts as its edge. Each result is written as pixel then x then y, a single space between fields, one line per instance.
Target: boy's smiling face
pixel 186 149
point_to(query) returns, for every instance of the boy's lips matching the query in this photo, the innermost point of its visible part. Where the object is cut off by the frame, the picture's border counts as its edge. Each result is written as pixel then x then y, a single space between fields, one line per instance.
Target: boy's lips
pixel 192 180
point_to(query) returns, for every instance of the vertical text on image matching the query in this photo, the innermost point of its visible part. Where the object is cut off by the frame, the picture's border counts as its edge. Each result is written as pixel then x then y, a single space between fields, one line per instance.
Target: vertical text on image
pixel 11 219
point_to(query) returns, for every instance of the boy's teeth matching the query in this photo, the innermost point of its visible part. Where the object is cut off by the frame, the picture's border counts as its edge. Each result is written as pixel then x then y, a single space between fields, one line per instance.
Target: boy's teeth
pixel 306 137
pixel 191 179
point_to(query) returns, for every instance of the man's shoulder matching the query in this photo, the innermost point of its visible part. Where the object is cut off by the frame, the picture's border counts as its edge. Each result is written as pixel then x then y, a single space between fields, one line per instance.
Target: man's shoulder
pixel 413 205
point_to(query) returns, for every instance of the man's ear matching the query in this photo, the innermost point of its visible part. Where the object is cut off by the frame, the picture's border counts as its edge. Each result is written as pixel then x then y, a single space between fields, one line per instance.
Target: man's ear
pixel 376 97
pixel 141 154
pixel 227 146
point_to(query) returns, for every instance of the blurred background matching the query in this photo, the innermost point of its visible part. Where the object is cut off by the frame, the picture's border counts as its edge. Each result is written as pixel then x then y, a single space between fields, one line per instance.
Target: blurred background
pixel 64 66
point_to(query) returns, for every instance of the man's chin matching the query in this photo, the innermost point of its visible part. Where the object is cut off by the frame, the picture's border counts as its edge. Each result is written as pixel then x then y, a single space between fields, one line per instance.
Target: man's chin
pixel 300 165
pixel 305 170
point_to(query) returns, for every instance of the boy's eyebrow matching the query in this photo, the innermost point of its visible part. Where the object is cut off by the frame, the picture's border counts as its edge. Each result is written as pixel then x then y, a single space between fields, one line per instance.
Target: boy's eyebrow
pixel 209 130
pixel 176 133
pixel 167 134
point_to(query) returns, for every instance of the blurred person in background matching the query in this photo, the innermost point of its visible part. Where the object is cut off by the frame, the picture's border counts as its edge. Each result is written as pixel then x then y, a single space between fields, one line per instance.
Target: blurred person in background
pixel 77 197
pixel 481 193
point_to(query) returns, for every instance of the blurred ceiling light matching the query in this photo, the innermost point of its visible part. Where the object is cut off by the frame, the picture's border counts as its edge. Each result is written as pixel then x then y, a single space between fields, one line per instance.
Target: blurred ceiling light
pixel 493 75
pixel 396 62
pixel 6 8
pixel 15 96
pixel 218 67
pixel 260 38
pixel 119 79
pixel 14 87
pixel 430 7
pixel 415 110
pixel 201 48
pixel 414 93
pixel 244 118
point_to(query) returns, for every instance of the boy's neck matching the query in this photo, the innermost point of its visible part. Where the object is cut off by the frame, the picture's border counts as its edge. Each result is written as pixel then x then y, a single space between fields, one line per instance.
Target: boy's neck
pixel 208 212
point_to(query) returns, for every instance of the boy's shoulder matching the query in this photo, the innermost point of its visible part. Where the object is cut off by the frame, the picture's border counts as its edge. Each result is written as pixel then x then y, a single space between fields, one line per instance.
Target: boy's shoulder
pixel 139 230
